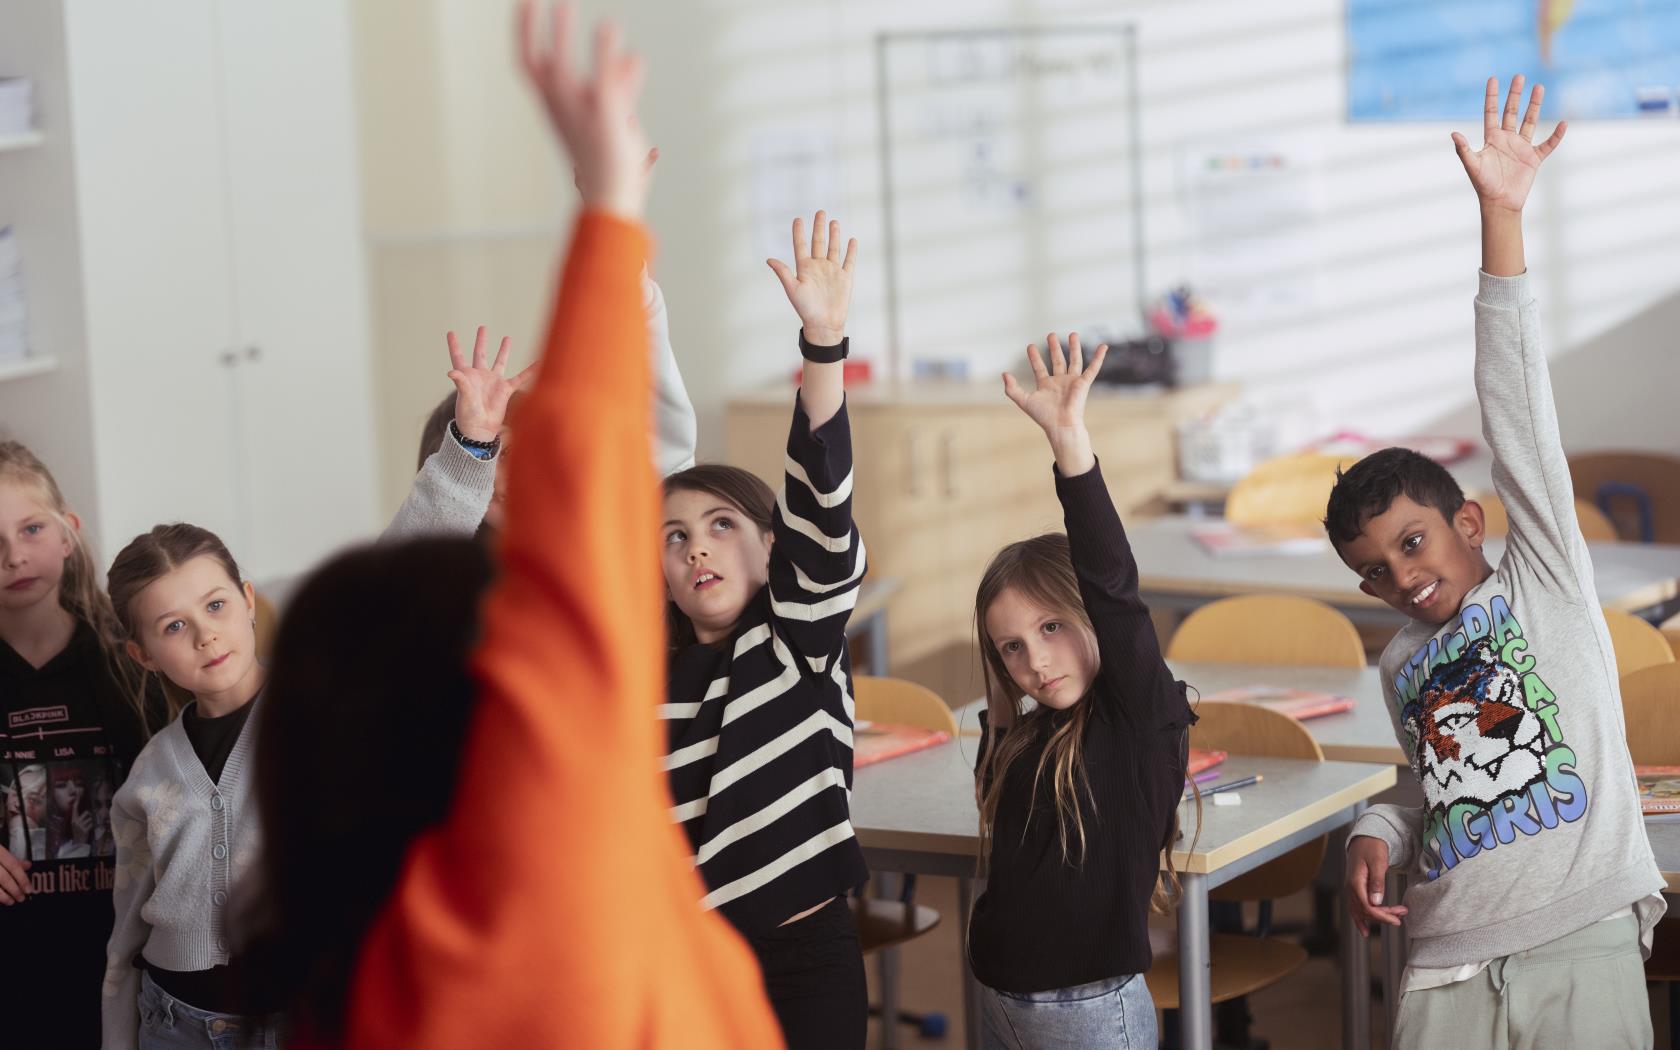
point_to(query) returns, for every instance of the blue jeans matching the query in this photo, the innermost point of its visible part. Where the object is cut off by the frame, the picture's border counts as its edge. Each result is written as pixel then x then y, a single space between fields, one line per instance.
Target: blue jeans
pixel 167 1023
pixel 1117 1013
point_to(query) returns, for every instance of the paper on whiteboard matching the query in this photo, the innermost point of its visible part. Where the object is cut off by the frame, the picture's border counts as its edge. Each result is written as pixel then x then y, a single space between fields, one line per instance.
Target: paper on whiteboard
pixel 794 174
pixel 1254 215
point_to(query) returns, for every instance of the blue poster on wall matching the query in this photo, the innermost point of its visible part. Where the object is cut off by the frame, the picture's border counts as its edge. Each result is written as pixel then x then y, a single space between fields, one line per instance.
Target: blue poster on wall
pixel 1429 59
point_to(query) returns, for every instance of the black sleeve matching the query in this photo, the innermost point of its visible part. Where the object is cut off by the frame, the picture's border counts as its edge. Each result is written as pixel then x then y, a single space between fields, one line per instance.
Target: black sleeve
pixel 1134 676
pixel 817 560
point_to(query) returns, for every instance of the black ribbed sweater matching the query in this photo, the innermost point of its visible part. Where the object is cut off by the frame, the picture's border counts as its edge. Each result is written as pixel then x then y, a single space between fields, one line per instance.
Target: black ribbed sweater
pixel 1045 923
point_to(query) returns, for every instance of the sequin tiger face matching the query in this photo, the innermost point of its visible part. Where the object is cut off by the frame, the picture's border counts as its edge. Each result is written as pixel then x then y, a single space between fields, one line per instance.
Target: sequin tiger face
pixel 1477 739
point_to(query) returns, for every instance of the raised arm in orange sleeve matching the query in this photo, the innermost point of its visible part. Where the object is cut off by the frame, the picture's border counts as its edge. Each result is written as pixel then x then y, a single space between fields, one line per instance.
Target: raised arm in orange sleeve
pixel 558 906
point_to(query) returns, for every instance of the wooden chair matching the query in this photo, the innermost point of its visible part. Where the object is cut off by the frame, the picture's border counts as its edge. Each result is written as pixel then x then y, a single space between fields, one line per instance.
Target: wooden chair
pixel 268 621
pixel 1241 963
pixel 1268 629
pixel 1638 645
pixel 1285 491
pixel 1651 708
pixel 1595 527
pixel 884 925
pixel 1671 630
pixel 1639 491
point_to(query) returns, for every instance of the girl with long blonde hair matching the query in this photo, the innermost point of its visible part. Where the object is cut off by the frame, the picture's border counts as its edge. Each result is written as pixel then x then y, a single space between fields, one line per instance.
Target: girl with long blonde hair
pixel 73 711
pixel 1079 791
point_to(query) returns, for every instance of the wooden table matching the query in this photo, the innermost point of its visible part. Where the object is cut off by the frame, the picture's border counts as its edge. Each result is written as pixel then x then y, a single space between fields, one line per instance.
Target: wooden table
pixel 916 813
pixel 1177 573
pixel 1364 734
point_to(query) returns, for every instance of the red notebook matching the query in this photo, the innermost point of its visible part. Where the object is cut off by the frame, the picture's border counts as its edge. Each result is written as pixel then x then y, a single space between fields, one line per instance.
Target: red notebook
pixel 878 741
pixel 1298 703
pixel 1202 758
pixel 1659 789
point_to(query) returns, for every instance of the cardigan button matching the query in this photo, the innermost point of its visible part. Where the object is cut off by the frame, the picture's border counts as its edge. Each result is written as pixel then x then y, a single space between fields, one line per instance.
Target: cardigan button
pixel 215 802
pixel 218 897
pixel 219 851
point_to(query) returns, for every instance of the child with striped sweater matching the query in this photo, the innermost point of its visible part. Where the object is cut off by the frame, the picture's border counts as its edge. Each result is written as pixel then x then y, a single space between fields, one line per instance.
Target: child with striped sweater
pixel 759 723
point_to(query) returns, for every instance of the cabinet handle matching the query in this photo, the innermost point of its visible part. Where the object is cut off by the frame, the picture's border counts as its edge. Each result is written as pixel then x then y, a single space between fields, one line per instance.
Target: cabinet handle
pixel 253 352
pixel 912 465
pixel 229 358
pixel 948 463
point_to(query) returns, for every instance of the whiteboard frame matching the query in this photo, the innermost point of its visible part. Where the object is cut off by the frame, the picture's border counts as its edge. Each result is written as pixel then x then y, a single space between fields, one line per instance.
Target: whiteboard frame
pixel 1127 35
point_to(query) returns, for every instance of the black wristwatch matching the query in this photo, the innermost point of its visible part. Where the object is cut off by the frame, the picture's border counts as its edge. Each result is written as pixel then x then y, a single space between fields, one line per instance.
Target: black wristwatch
pixel 823 355
pixel 479 449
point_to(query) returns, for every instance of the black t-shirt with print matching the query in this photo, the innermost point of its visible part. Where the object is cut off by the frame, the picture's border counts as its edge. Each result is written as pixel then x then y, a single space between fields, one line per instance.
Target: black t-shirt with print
pixel 213 738
pixel 68 736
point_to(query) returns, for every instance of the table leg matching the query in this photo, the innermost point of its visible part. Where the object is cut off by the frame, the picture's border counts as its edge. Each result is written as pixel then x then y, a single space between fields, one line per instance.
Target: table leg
pixel 889 998
pixel 971 992
pixel 1393 953
pixel 1195 985
pixel 878 645
pixel 1356 982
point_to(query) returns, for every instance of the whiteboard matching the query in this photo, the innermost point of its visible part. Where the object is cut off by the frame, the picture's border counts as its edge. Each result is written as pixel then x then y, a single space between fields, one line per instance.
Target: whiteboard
pixel 1010 174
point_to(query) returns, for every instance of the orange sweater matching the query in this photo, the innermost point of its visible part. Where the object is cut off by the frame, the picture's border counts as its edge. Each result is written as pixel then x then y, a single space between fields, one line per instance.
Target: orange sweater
pixel 558 905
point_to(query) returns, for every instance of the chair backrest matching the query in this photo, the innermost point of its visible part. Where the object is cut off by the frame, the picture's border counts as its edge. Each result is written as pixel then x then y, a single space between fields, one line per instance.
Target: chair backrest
pixel 1268 629
pixel 1651 708
pixel 1628 479
pixel 1637 644
pixel 1671 630
pixel 1285 491
pixel 897 702
pixel 1595 527
pixel 1249 729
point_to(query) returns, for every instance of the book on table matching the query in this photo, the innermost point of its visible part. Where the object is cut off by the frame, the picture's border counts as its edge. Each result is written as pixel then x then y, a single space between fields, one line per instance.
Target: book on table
pixel 1225 540
pixel 1297 703
pixel 1659 791
pixel 1203 758
pixel 878 741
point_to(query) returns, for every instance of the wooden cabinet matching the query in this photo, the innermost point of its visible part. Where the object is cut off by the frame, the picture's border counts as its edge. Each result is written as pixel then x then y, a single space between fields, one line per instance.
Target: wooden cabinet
pixel 947 475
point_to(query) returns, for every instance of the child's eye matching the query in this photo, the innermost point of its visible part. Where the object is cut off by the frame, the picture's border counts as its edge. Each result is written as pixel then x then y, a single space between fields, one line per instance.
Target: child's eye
pixel 675 536
pixel 723 524
pixel 31 530
pixel 174 626
pixel 1011 648
pixel 1374 572
pixel 1052 627
pixel 1413 542
pixel 216 606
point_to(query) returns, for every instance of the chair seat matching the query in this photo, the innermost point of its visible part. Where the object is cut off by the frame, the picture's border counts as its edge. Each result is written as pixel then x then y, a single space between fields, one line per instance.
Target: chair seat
pixel 888 924
pixel 1664 963
pixel 1240 965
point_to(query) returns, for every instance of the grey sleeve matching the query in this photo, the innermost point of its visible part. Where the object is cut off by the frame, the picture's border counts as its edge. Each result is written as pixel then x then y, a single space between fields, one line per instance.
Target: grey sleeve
pixel 449 495
pixel 1401 827
pixel 675 429
pixel 1519 421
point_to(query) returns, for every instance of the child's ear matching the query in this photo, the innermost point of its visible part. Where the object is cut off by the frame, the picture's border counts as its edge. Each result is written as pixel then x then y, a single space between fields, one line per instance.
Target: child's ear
pixel 250 593
pixel 74 526
pixel 1365 585
pixel 138 655
pixel 1471 523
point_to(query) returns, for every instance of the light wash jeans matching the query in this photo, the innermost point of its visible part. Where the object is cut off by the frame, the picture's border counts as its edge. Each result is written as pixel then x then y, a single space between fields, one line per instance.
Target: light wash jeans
pixel 1117 1013
pixel 167 1023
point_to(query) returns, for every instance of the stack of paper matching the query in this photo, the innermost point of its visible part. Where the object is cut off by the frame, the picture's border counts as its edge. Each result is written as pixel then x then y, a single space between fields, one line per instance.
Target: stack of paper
pixel 17 106
pixel 14 327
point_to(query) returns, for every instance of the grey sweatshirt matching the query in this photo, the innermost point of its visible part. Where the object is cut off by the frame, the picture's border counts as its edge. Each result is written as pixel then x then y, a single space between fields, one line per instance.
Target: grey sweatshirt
pixel 183 842
pixel 1511 712
pixel 453 489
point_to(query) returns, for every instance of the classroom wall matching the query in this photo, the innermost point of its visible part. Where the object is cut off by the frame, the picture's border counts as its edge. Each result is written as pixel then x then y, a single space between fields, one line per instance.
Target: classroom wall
pixel 467 204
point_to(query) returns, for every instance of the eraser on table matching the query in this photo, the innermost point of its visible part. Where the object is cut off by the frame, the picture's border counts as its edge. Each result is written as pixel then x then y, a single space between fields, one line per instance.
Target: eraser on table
pixel 1227 798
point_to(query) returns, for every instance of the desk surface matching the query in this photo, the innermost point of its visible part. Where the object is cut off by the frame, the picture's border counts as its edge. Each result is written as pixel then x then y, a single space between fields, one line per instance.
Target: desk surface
pixel 1630 576
pixel 924 803
pixel 1363 734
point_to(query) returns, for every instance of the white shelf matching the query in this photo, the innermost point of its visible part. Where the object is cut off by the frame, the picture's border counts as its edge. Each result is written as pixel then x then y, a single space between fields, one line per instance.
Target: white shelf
pixel 28 366
pixel 24 141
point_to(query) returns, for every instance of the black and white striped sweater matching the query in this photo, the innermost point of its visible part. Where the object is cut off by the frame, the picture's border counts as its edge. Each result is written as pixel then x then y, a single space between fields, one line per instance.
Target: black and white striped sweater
pixel 759 727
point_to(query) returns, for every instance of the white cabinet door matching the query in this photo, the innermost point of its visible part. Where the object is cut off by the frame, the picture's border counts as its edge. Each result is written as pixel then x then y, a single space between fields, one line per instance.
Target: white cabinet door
pixel 151 195
pixel 304 382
